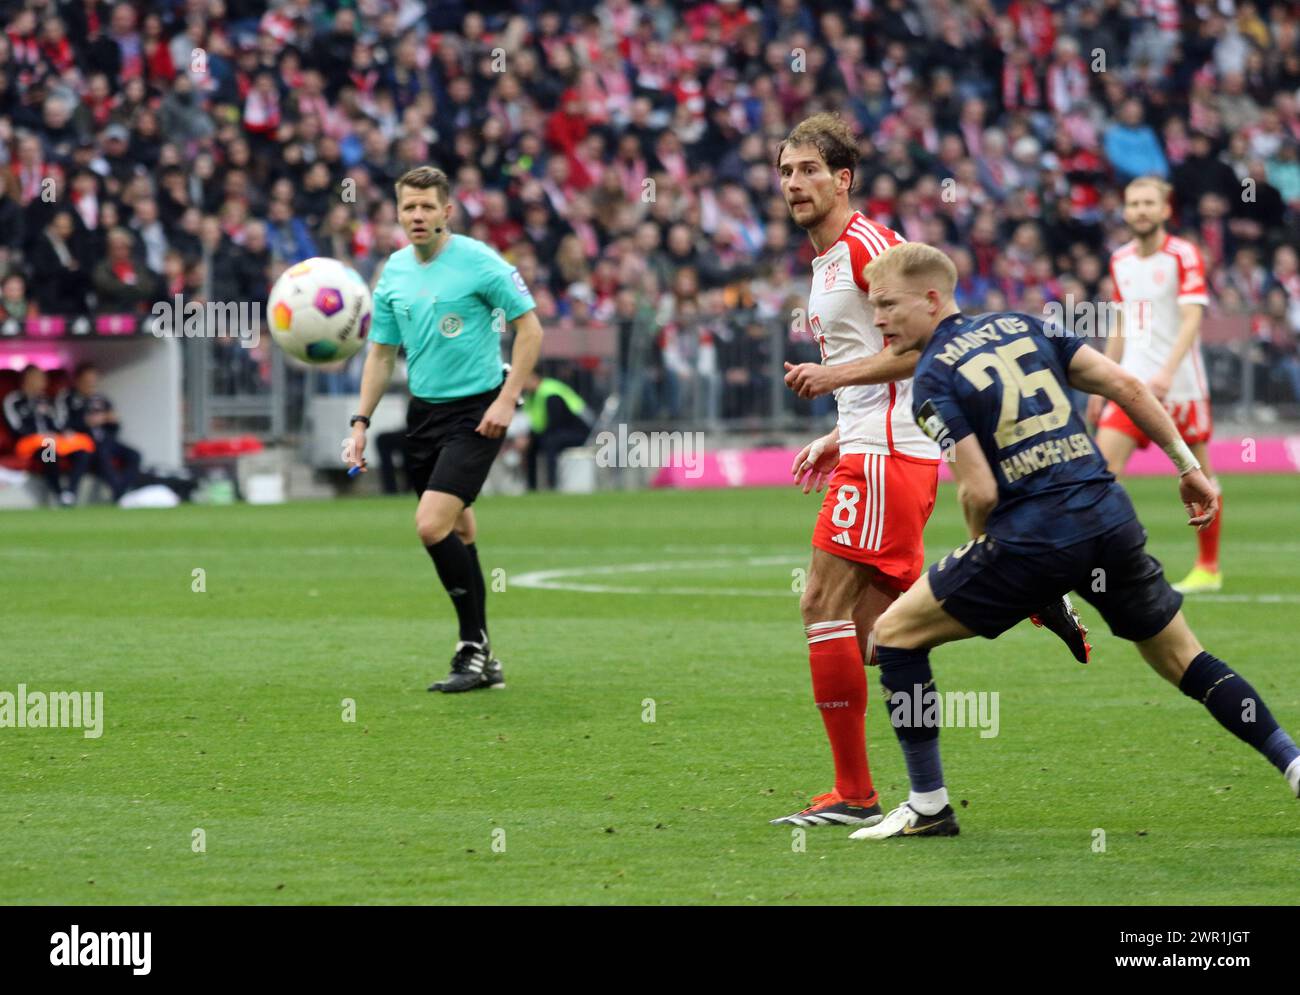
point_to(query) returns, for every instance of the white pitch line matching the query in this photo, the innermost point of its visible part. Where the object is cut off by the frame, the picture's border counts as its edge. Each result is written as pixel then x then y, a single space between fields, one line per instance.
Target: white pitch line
pixel 559 579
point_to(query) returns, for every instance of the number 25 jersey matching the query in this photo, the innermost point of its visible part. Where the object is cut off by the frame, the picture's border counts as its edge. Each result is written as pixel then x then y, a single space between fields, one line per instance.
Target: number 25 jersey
pixel 1000 378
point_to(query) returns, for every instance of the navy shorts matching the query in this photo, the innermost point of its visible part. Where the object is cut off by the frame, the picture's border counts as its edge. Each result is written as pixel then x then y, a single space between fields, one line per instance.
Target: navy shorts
pixel 443 452
pixel 988 586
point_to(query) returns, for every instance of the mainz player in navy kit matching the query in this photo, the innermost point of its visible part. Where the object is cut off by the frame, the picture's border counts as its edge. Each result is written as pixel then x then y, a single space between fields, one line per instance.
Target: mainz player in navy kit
pixel 1044 514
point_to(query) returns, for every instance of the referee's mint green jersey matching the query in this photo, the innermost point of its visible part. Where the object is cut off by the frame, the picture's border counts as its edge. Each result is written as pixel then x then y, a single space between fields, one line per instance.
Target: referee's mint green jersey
pixel 449 313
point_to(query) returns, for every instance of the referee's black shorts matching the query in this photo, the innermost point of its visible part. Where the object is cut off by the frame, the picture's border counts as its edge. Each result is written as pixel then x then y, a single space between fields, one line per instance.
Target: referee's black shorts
pixel 443 452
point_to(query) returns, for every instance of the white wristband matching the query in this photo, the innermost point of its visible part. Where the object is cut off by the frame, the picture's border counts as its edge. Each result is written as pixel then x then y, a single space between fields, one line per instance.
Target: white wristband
pixel 1182 457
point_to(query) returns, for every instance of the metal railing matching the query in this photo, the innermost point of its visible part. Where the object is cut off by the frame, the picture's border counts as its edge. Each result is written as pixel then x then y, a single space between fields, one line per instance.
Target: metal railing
pixel 233 390
pixel 714 374
pixel 719 374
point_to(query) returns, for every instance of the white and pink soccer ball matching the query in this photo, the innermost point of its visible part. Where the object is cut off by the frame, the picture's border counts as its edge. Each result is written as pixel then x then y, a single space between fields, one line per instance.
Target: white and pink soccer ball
pixel 319 311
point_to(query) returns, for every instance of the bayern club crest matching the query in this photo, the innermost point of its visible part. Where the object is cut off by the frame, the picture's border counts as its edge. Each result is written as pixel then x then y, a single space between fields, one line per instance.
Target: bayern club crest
pixel 832 271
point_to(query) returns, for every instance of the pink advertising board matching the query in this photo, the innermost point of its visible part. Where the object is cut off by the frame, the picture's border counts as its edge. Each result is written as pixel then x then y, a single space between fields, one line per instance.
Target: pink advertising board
pixel 770 467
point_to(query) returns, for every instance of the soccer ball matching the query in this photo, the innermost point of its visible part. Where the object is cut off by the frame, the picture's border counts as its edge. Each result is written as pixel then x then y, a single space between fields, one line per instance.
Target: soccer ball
pixel 319 311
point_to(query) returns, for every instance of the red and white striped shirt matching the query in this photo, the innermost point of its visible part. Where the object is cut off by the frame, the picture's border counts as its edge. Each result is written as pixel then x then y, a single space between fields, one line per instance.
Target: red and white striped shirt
pixel 873 418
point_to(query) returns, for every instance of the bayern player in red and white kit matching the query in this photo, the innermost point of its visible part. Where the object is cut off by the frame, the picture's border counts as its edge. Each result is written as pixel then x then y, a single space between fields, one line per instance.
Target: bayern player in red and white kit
pixel 1160 280
pixel 880 469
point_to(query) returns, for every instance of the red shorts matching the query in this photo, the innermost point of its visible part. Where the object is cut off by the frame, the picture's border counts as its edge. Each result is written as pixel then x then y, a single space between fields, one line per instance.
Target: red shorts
pixel 875 511
pixel 1191 418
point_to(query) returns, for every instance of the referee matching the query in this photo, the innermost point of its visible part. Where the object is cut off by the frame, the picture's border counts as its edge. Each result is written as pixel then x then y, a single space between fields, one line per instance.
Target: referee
pixel 440 298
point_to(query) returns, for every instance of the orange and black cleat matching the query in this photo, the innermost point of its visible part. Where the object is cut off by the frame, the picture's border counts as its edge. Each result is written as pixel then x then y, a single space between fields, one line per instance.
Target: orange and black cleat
pixel 832 810
pixel 1061 618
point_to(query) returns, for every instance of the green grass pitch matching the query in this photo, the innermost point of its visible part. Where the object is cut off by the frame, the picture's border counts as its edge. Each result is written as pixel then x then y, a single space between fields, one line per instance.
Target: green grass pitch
pixel 224 713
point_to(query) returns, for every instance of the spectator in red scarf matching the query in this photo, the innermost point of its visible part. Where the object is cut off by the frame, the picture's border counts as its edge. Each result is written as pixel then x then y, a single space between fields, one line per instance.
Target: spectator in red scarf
pixel 503 230
pixel 123 284
pixel 31 170
pixel 566 127
pixel 262 108
pixel 1034 25
pixel 99 101
pixel 1020 86
pixel 587 162
pixel 56 49
pixel 24 46
pixel 158 65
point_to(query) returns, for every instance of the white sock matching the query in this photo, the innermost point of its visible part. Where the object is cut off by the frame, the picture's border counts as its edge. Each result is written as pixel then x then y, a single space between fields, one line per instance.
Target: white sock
pixel 928 802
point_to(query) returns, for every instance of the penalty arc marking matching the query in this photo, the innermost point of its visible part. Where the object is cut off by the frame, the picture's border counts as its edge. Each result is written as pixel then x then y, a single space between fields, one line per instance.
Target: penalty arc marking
pixel 563 579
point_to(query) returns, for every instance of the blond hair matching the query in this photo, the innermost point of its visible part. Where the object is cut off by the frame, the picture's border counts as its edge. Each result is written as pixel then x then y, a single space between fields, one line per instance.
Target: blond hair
pixel 1162 188
pixel 914 262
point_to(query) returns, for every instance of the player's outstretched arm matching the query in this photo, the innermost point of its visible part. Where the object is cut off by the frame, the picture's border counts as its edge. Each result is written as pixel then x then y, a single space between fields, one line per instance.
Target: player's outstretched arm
pixel 814 379
pixel 977 490
pixel 375 377
pixel 1095 373
pixel 523 357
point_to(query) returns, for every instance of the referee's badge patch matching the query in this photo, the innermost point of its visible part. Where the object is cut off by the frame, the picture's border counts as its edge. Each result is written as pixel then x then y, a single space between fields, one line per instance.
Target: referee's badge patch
pixel 451 326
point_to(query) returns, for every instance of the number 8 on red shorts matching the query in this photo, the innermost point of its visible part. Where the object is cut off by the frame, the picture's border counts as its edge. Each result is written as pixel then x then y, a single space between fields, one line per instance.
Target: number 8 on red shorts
pixel 875 512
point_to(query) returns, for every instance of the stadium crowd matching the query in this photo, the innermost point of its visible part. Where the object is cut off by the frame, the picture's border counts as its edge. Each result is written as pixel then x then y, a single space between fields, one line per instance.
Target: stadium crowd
pixel 620 154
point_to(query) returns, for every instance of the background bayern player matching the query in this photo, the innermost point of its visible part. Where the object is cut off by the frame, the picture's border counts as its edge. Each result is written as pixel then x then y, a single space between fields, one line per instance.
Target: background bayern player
pixel 1044 513
pixel 1160 280
pixel 882 470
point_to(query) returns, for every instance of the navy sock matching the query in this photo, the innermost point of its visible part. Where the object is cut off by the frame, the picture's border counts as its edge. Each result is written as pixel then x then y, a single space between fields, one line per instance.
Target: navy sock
pixel 1280 749
pixel 910 695
pixel 480 590
pixel 456 571
pixel 1238 708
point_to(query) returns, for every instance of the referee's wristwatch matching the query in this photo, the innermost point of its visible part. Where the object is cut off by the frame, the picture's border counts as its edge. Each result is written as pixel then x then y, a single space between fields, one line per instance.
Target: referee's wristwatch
pixel 359 418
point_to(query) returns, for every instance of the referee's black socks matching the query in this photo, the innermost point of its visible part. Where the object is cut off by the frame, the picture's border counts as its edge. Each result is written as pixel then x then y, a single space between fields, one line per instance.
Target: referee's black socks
pixel 457 569
pixel 480 590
